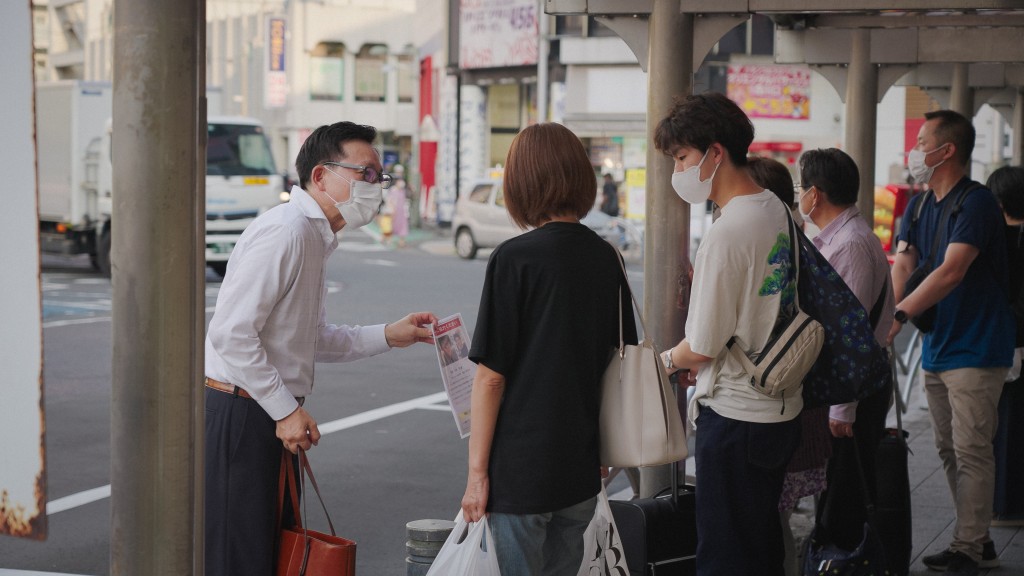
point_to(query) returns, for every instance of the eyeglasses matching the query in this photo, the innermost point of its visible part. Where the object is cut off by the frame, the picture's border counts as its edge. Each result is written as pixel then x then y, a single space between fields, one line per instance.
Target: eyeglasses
pixel 369 173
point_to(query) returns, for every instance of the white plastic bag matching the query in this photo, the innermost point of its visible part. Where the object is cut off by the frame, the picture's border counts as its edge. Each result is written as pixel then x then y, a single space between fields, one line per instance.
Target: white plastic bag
pixel 468 551
pixel 1014 373
pixel 603 554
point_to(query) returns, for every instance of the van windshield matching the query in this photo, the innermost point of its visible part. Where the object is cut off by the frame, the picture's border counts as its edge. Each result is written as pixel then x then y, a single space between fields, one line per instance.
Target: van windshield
pixel 237 150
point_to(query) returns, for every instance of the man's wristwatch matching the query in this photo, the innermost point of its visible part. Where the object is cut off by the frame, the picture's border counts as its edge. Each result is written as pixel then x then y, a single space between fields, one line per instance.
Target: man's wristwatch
pixel 666 359
pixel 900 316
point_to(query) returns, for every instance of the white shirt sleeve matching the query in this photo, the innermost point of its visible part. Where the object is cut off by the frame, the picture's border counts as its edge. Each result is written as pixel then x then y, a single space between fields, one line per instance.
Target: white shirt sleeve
pixel 258 282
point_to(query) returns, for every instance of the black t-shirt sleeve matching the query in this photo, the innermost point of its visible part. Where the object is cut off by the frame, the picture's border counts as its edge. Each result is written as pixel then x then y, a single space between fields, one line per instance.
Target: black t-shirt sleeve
pixel 496 336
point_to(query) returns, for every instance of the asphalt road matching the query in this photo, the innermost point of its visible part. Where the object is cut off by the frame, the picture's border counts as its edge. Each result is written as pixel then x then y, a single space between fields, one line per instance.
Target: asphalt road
pixel 385 464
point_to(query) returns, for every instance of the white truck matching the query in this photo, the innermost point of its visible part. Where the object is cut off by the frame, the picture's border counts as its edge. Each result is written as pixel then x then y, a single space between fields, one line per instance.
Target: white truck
pixel 75 175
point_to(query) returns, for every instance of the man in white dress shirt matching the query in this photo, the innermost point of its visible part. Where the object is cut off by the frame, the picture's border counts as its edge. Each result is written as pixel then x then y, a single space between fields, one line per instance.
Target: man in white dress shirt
pixel 267 332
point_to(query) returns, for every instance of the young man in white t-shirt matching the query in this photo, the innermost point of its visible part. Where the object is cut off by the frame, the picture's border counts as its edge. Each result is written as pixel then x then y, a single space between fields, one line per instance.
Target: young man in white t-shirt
pixel 742 283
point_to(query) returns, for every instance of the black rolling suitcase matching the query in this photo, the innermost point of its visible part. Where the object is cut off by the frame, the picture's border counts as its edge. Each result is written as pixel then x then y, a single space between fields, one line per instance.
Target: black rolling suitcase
pixel 659 534
pixel 892 507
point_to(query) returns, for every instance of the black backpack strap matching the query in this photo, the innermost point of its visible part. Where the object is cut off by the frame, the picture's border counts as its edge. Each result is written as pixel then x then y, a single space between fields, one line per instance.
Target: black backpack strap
pixel 876 310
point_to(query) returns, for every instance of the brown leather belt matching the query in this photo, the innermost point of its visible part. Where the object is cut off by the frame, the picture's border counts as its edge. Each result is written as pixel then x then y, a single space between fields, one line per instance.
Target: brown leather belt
pixel 228 388
pixel 237 390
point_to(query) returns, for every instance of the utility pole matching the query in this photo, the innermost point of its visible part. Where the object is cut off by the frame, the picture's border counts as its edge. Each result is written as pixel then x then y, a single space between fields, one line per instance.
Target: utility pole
pixel 667 239
pixel 158 285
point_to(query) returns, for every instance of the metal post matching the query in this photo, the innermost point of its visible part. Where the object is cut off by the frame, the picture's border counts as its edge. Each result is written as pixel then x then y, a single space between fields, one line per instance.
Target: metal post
pixel 861 118
pixel 961 98
pixel 543 48
pixel 1018 128
pixel 157 287
pixel 666 245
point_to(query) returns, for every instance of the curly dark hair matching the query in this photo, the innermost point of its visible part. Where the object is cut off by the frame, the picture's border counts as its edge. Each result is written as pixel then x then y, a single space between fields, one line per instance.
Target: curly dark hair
pixel 700 120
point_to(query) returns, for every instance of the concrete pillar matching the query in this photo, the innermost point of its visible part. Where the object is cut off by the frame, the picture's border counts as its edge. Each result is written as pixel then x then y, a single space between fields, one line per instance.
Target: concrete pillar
pixel 543 49
pixel 1018 128
pixel 861 119
pixel 158 155
pixel 961 97
pixel 666 244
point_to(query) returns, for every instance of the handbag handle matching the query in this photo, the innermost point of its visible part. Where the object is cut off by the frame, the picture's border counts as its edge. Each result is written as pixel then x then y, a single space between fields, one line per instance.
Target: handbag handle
pixel 639 312
pixel 288 473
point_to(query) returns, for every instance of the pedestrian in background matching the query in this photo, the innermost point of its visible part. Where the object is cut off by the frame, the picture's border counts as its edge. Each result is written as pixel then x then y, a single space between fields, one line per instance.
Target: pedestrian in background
pixel 397 202
pixel 829 186
pixel 548 322
pixel 966 356
pixel 610 196
pixel 267 331
pixel 742 284
pixel 805 473
pixel 1007 183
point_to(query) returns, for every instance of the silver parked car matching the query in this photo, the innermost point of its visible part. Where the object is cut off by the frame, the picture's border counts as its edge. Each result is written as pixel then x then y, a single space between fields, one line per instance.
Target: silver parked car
pixel 482 221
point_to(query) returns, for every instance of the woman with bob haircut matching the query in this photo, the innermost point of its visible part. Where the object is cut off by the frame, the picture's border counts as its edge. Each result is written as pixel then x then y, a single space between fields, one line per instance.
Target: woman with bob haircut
pixel 548 323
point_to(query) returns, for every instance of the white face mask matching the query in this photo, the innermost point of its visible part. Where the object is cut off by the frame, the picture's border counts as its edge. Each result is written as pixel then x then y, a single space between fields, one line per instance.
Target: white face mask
pixel 920 171
pixel 689 186
pixel 807 216
pixel 364 200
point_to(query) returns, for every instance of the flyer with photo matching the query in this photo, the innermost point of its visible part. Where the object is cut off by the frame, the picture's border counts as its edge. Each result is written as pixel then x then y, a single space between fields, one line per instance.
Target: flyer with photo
pixel 452 343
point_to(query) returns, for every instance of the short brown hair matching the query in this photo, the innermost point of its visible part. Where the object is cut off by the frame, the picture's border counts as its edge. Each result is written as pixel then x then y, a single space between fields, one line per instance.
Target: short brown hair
pixel 956 128
pixel 548 174
pixel 771 174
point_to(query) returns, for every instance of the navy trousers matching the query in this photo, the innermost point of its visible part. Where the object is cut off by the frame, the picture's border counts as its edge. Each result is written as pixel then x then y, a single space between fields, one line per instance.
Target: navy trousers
pixel 243 463
pixel 740 469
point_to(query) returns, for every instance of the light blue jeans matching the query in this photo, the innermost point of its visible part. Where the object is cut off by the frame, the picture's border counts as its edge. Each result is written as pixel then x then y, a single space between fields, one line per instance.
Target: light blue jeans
pixel 549 544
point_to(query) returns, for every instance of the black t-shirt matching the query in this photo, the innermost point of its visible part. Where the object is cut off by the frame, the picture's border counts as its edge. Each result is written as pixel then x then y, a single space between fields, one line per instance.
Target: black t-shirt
pixel 548 322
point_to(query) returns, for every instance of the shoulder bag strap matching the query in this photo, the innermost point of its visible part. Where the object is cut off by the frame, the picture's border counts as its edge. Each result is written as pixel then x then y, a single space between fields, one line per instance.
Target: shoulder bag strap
pixel 639 311
pixel 951 209
pixel 794 259
pixel 876 310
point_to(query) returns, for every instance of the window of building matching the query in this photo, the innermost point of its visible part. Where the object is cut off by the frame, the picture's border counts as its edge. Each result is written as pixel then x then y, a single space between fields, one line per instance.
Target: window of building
pixel 407 69
pixel 327 71
pixel 370 78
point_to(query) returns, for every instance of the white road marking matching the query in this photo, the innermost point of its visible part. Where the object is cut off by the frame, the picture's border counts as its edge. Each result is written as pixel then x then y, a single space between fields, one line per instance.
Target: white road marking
pixel 380 262
pixel 425 402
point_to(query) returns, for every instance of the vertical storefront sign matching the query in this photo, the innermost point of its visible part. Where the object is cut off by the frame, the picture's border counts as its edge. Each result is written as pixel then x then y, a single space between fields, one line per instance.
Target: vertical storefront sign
pixel 448 149
pixel 22 451
pixel 275 86
pixel 769 91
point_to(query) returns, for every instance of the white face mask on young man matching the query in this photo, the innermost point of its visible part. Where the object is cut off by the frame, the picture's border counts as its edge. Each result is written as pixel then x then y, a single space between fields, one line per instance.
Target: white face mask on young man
pixel 920 171
pixel 364 200
pixel 688 185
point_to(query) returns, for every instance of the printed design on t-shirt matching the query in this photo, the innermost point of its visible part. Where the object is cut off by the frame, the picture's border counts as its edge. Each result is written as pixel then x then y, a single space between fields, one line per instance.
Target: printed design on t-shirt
pixel 780 279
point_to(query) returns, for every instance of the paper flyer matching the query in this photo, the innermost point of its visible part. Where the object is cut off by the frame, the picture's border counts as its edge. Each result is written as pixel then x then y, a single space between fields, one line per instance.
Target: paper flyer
pixel 452 344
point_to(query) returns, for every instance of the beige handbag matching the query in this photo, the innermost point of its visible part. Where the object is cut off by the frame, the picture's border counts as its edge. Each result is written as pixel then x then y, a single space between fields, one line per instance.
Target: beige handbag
pixel 640 421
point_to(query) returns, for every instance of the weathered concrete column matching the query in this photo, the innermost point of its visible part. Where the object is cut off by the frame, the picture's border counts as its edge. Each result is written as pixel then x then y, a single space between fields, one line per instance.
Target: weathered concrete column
pixel 861 118
pixel 666 244
pixel 961 97
pixel 158 153
pixel 1018 128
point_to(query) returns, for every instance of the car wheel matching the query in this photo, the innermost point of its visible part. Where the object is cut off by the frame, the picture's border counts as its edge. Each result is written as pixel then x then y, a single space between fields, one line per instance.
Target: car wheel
pixel 465 245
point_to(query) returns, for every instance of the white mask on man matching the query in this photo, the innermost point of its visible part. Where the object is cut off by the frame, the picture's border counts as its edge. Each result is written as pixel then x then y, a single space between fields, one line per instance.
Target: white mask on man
pixel 920 171
pixel 688 185
pixel 364 200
